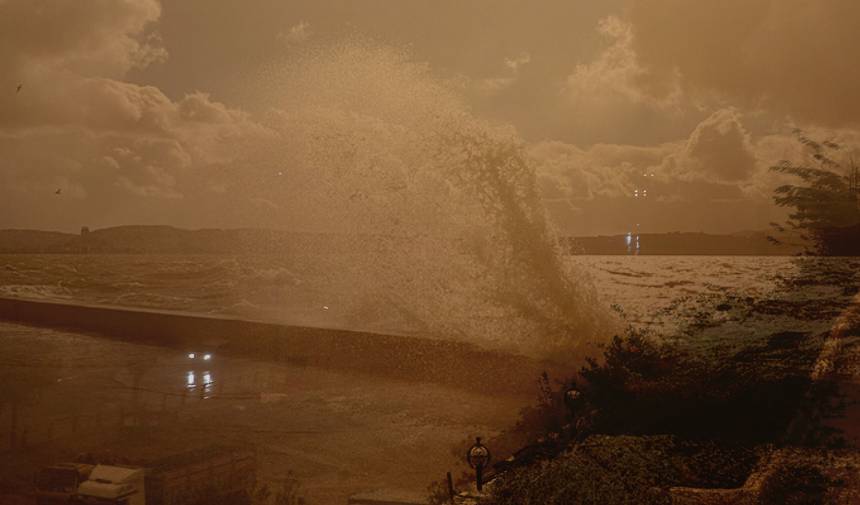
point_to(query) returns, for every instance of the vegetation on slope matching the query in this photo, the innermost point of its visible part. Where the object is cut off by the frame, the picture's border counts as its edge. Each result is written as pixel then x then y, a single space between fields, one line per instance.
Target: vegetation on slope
pixel 652 415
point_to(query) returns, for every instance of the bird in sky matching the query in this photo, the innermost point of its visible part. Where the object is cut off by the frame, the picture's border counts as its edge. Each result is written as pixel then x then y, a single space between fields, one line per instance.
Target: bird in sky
pixel 58 191
pixel 18 89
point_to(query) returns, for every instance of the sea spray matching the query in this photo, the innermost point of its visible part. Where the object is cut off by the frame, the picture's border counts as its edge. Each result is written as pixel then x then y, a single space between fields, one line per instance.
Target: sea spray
pixel 433 217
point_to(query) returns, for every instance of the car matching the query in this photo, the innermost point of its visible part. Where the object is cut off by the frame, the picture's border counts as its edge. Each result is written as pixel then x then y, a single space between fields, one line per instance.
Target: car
pixel 202 356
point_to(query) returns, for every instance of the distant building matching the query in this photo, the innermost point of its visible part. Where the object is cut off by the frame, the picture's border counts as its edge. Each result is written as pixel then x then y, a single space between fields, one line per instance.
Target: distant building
pixel 85 230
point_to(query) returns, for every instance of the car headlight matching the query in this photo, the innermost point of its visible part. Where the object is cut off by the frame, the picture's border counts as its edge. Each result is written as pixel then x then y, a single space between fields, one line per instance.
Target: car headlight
pixel 191 355
pixel 207 357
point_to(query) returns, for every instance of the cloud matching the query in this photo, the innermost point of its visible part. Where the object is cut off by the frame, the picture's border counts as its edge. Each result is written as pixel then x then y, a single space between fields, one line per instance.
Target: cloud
pixel 297 33
pixel 494 85
pixel 600 98
pixel 667 87
pixel 612 76
pixel 97 38
pixel 514 63
pixel 719 149
pixel 789 57
pixel 491 86
pixel 715 179
pixel 146 137
pixel 114 147
pixel 602 170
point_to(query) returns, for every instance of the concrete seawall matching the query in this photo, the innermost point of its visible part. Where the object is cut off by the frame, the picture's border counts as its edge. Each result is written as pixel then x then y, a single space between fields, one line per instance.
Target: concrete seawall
pixel 399 357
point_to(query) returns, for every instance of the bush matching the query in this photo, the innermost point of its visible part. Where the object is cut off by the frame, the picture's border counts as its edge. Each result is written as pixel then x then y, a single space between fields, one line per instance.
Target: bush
pixel 654 415
pixel 623 470
pixel 603 470
pixel 735 396
pixel 794 484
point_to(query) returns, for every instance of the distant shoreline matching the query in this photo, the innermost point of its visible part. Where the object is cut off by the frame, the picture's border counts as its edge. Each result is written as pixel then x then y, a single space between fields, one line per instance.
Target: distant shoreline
pixel 170 240
pixel 679 244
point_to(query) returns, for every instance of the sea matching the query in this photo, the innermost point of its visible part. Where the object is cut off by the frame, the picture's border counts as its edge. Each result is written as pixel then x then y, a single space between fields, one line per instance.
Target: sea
pixel 668 296
pixel 334 433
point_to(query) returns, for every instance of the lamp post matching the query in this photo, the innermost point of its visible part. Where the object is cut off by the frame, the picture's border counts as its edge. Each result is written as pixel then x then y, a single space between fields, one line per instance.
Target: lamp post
pixel 478 456
pixel 572 399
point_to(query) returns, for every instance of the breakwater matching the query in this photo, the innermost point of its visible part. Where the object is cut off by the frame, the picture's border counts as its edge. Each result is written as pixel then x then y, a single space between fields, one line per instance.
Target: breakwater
pixel 399 357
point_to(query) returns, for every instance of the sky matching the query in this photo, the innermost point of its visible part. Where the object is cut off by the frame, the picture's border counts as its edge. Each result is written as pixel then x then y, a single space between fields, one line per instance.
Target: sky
pixel 184 112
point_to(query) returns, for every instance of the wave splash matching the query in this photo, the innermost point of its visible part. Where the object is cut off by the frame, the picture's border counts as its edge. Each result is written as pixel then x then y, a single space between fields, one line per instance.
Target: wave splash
pixel 434 216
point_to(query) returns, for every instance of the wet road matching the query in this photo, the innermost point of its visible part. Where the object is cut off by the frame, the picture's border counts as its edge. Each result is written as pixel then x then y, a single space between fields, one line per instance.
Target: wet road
pixel 337 433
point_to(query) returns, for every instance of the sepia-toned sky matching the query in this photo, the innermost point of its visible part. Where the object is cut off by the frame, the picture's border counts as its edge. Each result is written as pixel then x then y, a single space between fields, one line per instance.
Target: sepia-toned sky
pixel 132 108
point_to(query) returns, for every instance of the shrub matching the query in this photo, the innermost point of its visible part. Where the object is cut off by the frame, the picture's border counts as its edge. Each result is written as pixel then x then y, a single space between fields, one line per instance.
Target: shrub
pixel 794 484
pixel 616 470
pixel 673 418
pixel 623 470
pixel 736 396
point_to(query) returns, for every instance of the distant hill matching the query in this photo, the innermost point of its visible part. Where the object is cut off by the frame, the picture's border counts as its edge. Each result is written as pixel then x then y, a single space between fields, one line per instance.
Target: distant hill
pixel 33 241
pixel 170 240
pixel 746 243
pixel 152 240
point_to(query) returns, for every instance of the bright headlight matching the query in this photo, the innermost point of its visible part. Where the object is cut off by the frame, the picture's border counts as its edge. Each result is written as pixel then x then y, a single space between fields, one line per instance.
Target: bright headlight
pixel 191 355
pixel 207 357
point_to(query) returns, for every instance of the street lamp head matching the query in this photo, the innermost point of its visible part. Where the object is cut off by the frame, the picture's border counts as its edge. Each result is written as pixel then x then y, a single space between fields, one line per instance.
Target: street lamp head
pixel 478 455
pixel 572 399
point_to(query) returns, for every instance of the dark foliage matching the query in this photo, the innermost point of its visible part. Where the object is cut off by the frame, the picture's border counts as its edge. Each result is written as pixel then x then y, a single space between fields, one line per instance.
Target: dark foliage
pixel 794 484
pixel 743 397
pixel 621 470
pixel 825 203
pixel 712 408
pixel 652 415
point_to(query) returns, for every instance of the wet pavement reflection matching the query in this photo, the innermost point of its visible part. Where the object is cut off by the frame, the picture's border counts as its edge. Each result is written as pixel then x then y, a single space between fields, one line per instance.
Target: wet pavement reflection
pixel 200 382
pixel 339 432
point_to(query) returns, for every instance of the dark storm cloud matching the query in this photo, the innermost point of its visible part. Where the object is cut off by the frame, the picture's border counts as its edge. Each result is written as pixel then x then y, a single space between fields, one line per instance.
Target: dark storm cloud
pixel 713 180
pixel 115 148
pixel 175 111
pixel 793 57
